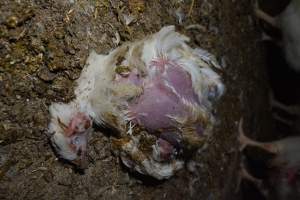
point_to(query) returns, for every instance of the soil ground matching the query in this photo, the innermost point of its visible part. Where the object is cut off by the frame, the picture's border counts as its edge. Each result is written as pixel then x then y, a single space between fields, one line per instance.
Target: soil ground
pixel 44 46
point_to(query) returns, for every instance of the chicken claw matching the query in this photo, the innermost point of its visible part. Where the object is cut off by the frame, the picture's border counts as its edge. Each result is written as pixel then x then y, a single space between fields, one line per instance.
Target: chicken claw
pixel 246 141
pixel 264 16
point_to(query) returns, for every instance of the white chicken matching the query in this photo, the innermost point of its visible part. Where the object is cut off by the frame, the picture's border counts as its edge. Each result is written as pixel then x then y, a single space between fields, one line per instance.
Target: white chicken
pixel 284 166
pixel 289 23
pixel 71 124
pixel 157 92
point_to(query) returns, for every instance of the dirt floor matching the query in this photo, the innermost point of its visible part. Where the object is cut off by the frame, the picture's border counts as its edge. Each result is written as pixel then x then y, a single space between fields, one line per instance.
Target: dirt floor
pixel 43 47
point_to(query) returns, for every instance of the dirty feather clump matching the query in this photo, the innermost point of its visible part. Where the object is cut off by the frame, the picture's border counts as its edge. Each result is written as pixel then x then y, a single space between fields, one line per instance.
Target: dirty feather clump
pixel 158 93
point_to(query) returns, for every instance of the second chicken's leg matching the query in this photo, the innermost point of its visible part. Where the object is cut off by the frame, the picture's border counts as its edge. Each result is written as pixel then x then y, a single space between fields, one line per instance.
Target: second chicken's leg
pixel 245 141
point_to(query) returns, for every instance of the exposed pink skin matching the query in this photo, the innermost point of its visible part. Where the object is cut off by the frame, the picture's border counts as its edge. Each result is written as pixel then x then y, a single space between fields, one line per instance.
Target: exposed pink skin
pixel 79 123
pixel 154 106
pixel 166 150
pixel 165 89
pixel 173 138
pixel 76 133
pixel 176 78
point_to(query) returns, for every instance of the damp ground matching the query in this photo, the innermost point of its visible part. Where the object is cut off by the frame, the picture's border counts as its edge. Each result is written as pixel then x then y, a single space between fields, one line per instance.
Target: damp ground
pixel 43 48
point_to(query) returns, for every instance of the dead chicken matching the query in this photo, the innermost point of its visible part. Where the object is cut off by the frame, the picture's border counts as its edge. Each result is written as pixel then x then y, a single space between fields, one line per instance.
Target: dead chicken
pixel 289 23
pixel 71 124
pixel 284 167
pixel 157 92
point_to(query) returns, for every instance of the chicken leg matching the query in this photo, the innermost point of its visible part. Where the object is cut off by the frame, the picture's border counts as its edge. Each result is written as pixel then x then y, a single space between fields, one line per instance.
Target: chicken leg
pixel 264 16
pixel 246 141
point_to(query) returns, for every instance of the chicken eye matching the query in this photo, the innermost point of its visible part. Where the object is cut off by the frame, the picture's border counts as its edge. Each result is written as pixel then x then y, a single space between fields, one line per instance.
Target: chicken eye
pixel 213 93
pixel 76 140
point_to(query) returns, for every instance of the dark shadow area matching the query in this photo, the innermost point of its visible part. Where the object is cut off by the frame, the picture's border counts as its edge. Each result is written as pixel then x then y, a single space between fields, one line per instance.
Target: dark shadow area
pixel 146 180
pixel 284 83
pixel 283 79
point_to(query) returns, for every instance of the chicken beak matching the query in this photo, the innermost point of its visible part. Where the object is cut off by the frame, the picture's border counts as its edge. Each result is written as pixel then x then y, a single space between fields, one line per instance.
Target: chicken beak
pixel 82 161
pixel 81 150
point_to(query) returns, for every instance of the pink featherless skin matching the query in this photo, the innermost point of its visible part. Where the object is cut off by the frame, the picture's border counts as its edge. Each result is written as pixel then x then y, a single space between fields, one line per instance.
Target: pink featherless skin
pixel 166 92
pixel 176 90
pixel 79 123
pixel 157 92
pixel 163 96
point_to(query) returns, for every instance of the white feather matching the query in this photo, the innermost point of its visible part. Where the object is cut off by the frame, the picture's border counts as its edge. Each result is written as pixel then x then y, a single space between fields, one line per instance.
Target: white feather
pixel 289 21
pixel 197 62
pixel 63 112
pixel 99 96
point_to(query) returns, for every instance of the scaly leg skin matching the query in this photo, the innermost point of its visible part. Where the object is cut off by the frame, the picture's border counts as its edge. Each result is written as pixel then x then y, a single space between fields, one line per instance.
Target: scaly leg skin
pixel 264 16
pixel 245 175
pixel 293 110
pixel 245 141
pixel 282 119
